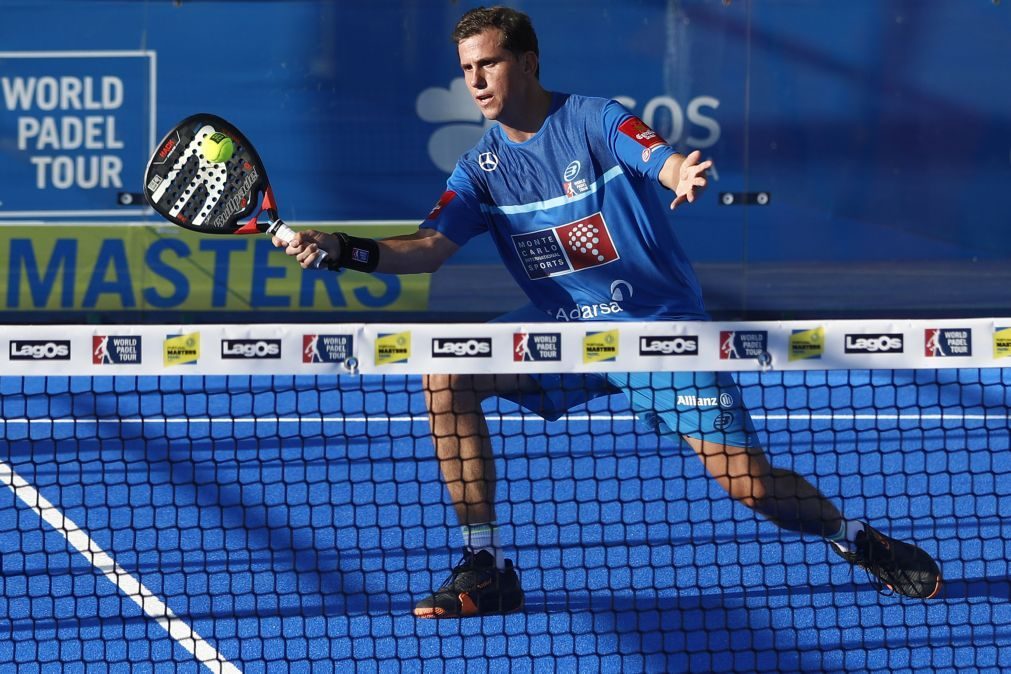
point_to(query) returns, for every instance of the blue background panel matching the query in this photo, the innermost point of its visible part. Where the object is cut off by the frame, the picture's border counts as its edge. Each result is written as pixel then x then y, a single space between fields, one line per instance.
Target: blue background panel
pixel 879 130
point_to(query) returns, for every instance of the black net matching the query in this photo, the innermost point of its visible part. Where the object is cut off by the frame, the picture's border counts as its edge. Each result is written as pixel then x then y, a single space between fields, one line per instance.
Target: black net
pixel 295 523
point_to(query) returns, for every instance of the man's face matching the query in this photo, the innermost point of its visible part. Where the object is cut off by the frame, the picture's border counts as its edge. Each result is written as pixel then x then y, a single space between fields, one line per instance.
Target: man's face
pixel 494 75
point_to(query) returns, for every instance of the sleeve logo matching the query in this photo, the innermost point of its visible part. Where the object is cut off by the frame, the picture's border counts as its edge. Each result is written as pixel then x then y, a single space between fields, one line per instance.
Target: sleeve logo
pixel 444 200
pixel 636 129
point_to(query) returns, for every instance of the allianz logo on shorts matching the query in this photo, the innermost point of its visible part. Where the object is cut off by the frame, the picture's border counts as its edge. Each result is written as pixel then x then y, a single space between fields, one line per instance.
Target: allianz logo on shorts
pixel 724 400
pixel 581 244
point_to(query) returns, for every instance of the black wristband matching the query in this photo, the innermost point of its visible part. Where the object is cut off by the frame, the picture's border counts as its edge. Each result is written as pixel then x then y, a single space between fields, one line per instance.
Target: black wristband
pixel 356 253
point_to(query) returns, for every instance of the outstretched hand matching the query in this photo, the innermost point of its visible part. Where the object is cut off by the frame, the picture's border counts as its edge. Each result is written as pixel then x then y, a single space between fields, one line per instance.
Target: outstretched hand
pixel 691 179
pixel 305 246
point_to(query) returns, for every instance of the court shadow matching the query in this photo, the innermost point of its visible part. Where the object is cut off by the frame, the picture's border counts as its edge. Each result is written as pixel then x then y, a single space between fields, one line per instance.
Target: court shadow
pixel 263 520
pixel 964 588
pixel 715 632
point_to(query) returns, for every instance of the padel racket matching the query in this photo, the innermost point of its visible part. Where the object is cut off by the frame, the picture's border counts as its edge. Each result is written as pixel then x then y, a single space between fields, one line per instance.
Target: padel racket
pixel 191 191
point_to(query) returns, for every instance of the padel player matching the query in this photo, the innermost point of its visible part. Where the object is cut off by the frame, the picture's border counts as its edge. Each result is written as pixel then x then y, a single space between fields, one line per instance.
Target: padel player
pixel 569 171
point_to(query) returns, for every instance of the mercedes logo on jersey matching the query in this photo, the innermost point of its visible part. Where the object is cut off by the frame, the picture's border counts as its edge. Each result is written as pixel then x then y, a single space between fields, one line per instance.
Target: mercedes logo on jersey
pixel 488 161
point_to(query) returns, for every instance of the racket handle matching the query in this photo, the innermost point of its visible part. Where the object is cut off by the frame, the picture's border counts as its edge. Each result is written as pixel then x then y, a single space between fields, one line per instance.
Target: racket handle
pixel 285 233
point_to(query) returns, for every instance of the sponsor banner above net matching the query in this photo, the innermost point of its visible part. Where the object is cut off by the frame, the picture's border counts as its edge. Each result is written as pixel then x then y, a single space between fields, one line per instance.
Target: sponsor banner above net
pixel 590 346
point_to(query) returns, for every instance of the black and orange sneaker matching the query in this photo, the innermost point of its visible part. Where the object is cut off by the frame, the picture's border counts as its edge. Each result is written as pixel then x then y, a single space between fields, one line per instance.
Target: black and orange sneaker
pixel 476 587
pixel 901 567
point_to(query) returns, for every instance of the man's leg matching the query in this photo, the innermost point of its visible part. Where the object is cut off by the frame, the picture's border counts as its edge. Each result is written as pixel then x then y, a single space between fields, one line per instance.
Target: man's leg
pixel 782 496
pixel 483 582
pixel 707 410
pixel 791 502
pixel 461 438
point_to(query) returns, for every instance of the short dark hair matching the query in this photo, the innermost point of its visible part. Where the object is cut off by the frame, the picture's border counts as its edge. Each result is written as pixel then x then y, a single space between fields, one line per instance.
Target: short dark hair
pixel 518 34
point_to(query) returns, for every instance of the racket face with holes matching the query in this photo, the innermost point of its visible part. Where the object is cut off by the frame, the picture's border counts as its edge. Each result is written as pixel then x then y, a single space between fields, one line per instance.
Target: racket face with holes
pixel 190 191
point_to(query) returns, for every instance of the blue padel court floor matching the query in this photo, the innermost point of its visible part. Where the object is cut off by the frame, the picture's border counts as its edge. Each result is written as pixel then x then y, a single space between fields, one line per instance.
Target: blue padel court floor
pixel 290 523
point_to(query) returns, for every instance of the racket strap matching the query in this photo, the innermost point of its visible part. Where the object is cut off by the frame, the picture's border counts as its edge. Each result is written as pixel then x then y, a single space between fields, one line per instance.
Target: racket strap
pixel 357 253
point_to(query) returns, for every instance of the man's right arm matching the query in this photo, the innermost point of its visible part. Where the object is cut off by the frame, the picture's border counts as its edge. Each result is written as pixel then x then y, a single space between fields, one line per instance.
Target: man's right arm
pixel 454 220
pixel 420 252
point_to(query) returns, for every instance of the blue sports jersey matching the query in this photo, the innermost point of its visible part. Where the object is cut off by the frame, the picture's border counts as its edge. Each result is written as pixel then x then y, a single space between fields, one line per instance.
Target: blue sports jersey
pixel 575 215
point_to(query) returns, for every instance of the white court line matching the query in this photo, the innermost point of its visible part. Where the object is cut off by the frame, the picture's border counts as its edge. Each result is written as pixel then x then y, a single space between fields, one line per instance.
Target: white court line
pixel 494 417
pixel 154 607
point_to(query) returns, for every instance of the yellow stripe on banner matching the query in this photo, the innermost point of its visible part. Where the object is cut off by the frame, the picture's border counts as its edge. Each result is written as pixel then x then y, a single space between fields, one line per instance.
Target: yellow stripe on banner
pixel 162 267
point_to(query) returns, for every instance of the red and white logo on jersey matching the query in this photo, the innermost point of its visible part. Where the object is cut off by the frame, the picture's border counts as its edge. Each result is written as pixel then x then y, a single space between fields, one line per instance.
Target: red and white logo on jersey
pixel 636 129
pixel 446 197
pixel 567 248
pixel 587 242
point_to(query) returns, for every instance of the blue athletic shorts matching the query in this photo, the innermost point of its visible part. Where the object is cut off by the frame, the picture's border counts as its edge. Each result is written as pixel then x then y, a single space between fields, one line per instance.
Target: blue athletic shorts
pixel 704 405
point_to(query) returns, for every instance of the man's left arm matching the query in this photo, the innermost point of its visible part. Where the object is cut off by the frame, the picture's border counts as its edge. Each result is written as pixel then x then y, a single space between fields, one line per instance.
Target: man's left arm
pixel 685 176
pixel 638 148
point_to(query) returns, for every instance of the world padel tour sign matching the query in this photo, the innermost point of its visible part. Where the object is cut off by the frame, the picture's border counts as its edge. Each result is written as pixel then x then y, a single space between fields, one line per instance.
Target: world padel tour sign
pixel 79 127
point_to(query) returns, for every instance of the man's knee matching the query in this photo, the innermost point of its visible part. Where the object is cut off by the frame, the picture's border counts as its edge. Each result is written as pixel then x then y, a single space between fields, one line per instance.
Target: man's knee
pixel 744 472
pixel 748 491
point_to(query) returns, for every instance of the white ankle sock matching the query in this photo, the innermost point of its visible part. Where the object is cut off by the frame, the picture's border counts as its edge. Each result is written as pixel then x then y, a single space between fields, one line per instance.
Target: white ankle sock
pixel 845 539
pixel 483 536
